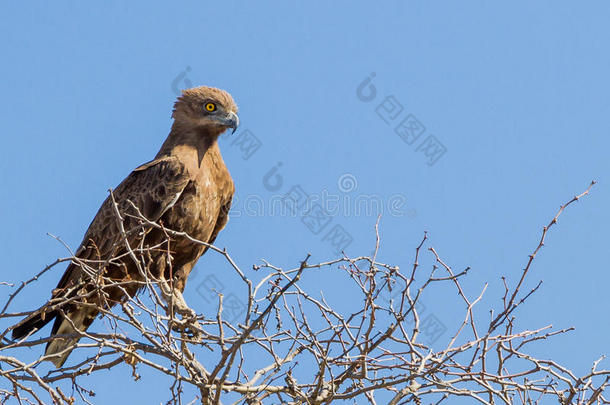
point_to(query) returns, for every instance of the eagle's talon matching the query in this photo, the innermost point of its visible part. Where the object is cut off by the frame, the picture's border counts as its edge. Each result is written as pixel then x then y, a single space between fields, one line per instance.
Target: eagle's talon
pixel 193 331
pixel 189 325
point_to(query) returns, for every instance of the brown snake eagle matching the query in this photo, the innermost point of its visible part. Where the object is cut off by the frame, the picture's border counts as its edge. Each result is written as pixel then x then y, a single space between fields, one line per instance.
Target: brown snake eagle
pixel 186 188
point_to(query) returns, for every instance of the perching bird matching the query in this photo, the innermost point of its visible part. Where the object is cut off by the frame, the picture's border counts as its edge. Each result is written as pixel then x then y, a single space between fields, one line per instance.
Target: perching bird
pixel 186 188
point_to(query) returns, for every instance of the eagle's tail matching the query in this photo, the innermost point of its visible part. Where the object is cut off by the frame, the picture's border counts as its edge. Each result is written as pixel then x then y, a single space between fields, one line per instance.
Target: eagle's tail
pixel 60 348
pixel 32 323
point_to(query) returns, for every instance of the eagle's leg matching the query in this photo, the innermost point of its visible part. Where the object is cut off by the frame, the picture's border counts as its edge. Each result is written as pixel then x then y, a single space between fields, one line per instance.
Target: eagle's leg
pixel 190 325
pixel 178 306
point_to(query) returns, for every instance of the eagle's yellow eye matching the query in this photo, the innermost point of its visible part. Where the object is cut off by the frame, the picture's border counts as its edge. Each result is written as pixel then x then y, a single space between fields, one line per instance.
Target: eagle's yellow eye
pixel 210 107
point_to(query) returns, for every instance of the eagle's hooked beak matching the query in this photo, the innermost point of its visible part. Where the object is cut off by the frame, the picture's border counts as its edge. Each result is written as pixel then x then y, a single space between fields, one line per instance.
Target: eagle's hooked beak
pixel 231 120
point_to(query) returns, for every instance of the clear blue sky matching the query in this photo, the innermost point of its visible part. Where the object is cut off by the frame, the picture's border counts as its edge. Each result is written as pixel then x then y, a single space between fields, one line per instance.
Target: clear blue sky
pixel 516 94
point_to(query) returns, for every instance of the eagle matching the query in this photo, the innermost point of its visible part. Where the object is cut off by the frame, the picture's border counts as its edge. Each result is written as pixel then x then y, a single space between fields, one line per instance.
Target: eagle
pixel 186 189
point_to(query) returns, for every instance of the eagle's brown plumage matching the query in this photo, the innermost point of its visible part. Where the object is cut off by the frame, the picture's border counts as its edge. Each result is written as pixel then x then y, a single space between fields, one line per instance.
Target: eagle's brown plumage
pixel 187 188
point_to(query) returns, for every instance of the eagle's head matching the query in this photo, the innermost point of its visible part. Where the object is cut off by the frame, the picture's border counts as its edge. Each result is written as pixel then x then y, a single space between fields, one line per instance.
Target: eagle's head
pixel 206 108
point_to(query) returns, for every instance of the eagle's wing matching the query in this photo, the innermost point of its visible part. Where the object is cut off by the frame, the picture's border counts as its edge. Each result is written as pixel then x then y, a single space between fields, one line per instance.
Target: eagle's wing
pixel 153 187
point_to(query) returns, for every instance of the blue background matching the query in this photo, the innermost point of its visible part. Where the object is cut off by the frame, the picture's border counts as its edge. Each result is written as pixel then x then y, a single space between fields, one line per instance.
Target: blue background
pixel 517 94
